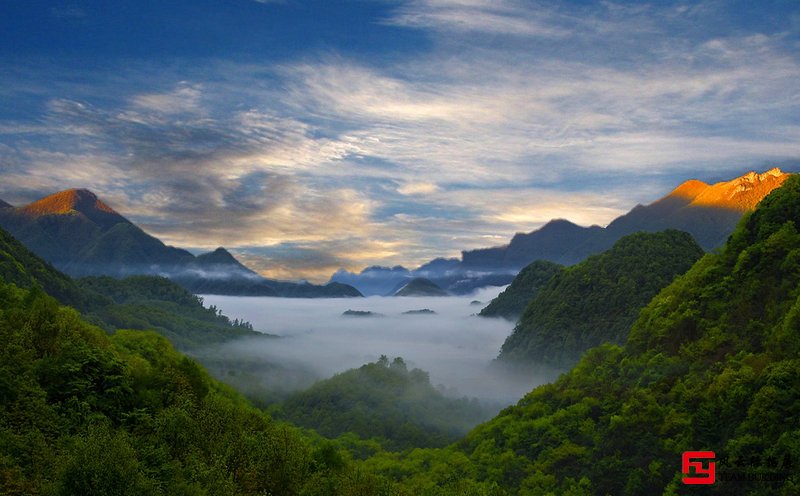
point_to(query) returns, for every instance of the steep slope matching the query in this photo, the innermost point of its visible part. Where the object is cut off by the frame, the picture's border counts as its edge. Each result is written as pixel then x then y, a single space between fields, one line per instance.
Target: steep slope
pixel 420 286
pixel 81 235
pixel 512 301
pixel 21 267
pixel 712 363
pixel 597 300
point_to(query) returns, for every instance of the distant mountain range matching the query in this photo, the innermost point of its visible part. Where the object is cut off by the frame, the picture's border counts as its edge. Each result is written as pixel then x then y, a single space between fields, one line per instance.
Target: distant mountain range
pixel 708 212
pixel 82 236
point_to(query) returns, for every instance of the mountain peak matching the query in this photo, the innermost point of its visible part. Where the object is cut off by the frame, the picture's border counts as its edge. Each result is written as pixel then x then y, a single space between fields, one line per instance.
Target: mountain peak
pixel 689 189
pixel 5 204
pixel 740 194
pixel 63 202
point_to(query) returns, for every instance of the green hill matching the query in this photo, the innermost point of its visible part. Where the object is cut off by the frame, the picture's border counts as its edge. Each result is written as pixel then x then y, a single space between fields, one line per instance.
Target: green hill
pixel 597 300
pixel 512 301
pixel 386 401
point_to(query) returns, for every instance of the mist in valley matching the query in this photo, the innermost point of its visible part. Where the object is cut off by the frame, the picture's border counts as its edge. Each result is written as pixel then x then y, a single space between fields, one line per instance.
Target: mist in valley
pixel 315 341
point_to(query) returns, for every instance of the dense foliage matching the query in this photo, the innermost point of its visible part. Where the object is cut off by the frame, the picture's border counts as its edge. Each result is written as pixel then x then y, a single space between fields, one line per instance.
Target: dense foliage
pixel 712 363
pixel 397 407
pixel 156 303
pixel 512 301
pixel 597 300
pixel 84 413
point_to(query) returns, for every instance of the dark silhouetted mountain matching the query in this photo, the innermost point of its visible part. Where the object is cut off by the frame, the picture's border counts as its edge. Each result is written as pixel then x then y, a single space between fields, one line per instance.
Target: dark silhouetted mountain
pixel 438 268
pixel 597 300
pixel 220 258
pixel 708 212
pixel 420 286
pixel 512 301
pixel 82 236
pixel 547 243
pixel 4 204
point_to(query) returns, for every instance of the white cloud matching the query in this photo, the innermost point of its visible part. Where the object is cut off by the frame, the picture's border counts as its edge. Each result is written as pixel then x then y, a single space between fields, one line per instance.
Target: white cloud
pixel 417 188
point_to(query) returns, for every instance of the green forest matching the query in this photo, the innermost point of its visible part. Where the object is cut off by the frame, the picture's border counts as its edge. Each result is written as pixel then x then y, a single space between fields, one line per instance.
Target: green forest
pixel 695 356
pixel 597 300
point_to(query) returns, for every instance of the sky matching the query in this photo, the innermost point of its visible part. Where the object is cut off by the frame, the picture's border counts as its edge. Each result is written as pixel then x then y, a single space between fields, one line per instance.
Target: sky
pixel 306 136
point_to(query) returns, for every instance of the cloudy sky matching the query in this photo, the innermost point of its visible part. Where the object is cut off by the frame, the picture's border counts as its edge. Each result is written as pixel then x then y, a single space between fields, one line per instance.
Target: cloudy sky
pixel 312 135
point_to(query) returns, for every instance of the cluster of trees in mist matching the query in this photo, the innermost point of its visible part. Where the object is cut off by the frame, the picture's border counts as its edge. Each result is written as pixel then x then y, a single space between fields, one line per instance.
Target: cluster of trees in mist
pixel 385 402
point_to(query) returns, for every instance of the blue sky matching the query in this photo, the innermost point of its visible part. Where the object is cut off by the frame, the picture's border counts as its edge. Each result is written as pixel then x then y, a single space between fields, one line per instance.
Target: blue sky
pixel 308 136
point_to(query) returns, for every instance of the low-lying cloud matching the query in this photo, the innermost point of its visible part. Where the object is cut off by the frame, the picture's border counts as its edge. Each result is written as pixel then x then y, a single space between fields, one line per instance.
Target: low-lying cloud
pixel 454 346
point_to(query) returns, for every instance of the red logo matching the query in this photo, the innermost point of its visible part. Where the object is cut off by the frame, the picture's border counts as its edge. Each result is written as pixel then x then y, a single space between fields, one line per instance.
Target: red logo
pixel 700 474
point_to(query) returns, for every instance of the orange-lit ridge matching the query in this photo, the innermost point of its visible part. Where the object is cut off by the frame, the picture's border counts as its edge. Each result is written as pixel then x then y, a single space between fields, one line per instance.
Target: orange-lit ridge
pixel 742 193
pixel 65 202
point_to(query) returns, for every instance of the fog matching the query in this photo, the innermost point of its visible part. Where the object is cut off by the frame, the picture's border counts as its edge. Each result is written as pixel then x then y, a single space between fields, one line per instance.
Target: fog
pixel 316 341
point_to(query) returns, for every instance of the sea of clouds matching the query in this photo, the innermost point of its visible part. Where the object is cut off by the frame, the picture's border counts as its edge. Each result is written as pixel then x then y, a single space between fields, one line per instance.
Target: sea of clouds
pixel 316 341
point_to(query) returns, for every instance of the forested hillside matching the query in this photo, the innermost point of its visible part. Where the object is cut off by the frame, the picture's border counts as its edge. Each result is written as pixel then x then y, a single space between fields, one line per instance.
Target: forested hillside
pixel 85 413
pixel 512 301
pixel 597 300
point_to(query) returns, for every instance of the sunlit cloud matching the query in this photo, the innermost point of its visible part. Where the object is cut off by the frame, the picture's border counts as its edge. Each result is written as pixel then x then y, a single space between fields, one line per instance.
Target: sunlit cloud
pixel 517 112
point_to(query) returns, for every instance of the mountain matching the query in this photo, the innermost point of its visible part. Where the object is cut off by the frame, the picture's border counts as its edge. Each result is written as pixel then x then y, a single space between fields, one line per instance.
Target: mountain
pixel 547 243
pixel 420 286
pixel 708 212
pixel 83 236
pixel 145 302
pixel 711 364
pixel 512 301
pixel 597 300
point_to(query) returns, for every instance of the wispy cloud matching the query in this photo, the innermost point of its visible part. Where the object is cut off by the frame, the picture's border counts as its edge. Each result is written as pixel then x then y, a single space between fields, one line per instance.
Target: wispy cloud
pixel 517 112
pixel 482 16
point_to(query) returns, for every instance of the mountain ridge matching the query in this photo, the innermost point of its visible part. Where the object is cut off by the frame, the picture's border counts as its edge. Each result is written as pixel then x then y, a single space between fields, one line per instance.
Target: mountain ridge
pixel 82 235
